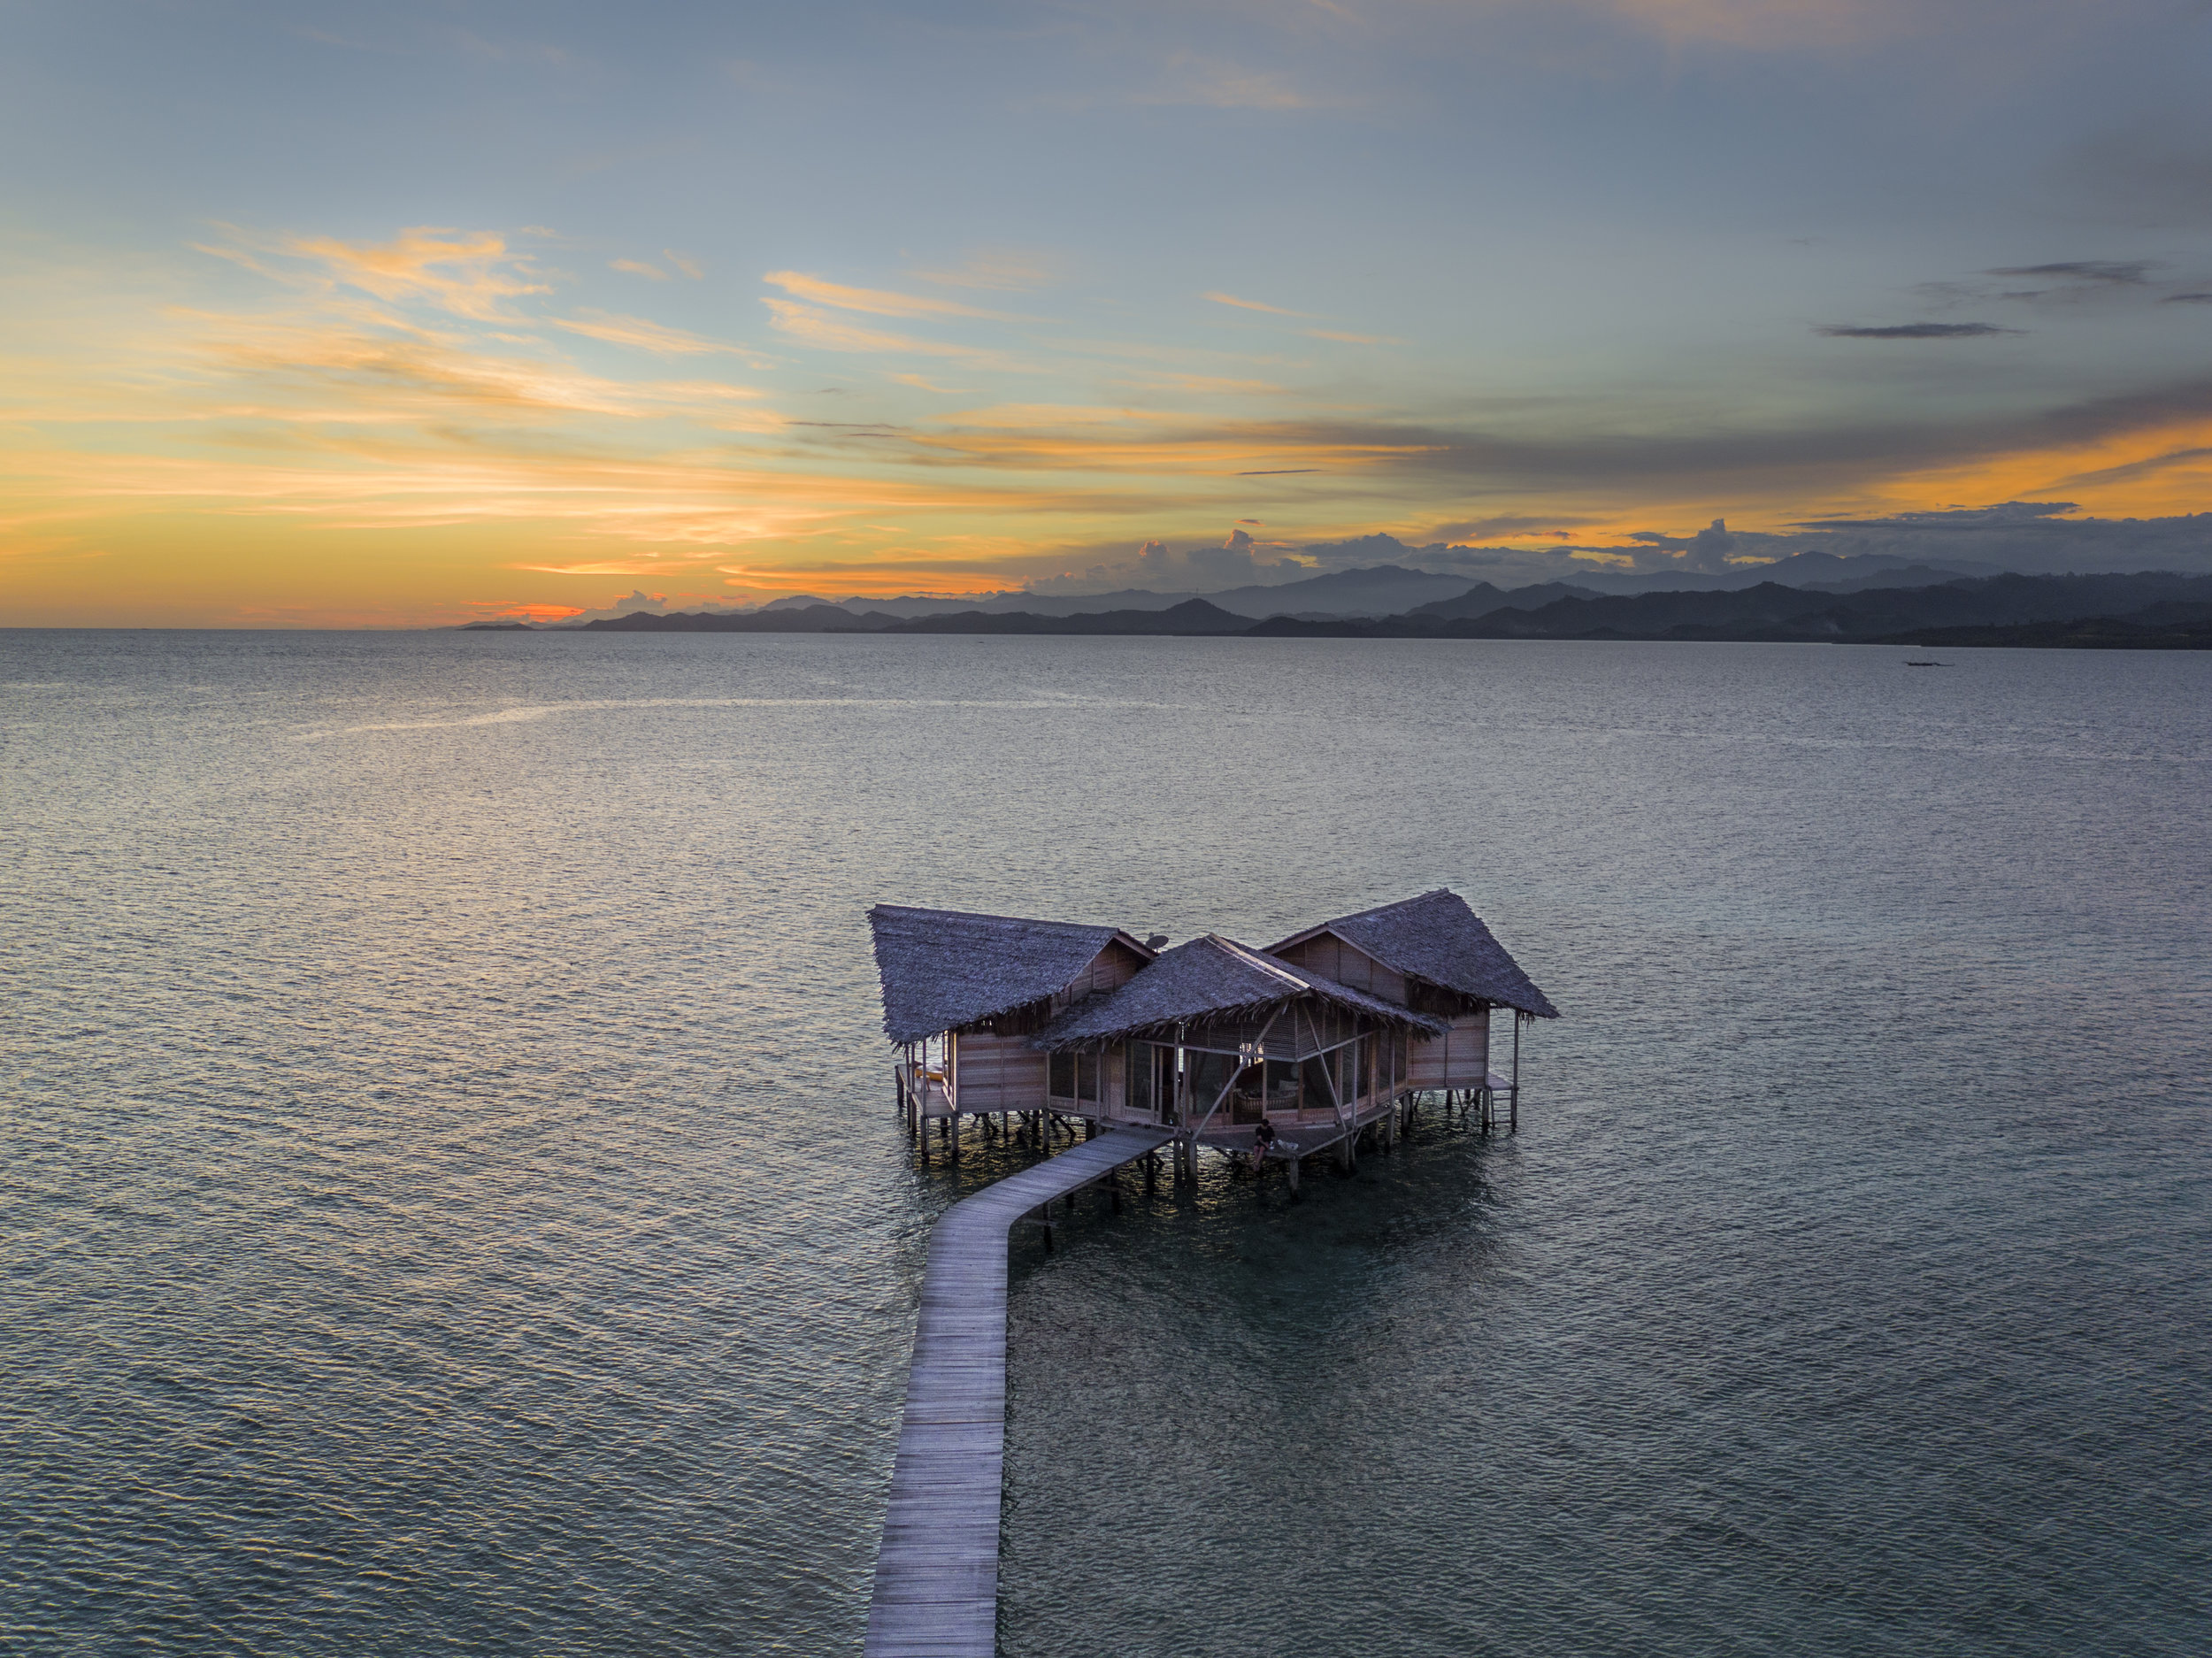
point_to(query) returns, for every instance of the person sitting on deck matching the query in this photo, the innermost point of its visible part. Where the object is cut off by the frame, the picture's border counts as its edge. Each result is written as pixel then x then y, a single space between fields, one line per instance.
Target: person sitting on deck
pixel 1262 1137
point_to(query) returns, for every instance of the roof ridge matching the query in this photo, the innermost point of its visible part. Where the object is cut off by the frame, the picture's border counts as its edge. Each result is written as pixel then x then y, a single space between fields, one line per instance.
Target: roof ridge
pixel 1262 960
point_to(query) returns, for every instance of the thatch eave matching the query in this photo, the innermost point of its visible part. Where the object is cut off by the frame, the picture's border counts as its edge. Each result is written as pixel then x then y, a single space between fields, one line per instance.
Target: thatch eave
pixel 1437 940
pixel 946 970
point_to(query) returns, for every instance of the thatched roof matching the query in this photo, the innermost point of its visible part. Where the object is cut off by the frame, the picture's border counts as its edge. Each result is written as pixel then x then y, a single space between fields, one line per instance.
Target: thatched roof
pixel 1211 978
pixel 1438 938
pixel 942 969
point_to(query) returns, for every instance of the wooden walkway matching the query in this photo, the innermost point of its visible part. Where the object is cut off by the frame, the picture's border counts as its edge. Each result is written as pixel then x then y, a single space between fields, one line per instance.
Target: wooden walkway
pixel 936 1593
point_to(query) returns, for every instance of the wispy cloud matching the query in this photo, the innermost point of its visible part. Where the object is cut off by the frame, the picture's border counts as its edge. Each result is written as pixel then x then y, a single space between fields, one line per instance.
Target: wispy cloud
pixel 1121 441
pixel 2126 273
pixel 1210 384
pixel 1253 304
pixel 1503 524
pixel 811 326
pixel 1211 84
pixel 875 302
pixel 1914 331
pixel 647 336
pixel 1349 339
pixel 638 267
pixel 471 275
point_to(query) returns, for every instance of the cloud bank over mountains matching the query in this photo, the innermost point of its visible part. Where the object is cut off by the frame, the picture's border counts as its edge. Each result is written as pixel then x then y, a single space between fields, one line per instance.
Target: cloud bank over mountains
pixel 2029 537
pixel 2023 537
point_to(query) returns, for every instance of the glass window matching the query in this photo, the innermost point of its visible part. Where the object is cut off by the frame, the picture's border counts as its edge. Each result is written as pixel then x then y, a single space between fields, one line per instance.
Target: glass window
pixel 1208 1075
pixel 1141 1063
pixel 1315 1074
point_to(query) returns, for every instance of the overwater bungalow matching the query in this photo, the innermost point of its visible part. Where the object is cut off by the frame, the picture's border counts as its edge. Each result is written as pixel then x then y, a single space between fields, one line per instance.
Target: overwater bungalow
pixel 1343 1027
pixel 1049 1025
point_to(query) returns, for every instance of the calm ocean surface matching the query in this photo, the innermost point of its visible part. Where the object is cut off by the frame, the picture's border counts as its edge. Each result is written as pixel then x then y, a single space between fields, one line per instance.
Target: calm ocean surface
pixel 452 1201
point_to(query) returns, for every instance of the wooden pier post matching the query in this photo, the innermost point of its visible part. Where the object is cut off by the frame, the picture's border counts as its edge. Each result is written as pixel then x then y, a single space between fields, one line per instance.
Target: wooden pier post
pixel 1515 1096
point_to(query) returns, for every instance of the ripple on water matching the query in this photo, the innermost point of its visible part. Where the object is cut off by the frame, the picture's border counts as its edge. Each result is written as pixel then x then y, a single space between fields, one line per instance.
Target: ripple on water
pixel 453 1202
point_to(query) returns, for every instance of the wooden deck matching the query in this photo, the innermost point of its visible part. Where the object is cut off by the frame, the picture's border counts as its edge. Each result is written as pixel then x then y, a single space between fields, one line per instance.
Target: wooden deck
pixel 936 1591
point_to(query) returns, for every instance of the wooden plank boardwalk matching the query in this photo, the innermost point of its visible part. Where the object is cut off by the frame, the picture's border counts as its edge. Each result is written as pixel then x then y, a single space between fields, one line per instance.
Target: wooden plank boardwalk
pixel 936 1592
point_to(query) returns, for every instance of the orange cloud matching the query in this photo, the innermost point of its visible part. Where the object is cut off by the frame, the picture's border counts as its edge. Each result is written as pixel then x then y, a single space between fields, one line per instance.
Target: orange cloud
pixel 1222 86
pixel 1251 304
pixel 647 336
pixel 875 302
pixel 1128 442
pixel 1211 384
pixel 2156 471
pixel 470 274
pixel 811 326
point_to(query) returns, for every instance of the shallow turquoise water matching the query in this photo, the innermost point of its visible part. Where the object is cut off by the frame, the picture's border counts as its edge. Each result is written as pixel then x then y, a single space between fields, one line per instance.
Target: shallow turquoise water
pixel 453 1201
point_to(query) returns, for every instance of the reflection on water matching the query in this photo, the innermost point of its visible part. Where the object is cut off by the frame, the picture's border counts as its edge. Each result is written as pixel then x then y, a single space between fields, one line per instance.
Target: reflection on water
pixel 454 1201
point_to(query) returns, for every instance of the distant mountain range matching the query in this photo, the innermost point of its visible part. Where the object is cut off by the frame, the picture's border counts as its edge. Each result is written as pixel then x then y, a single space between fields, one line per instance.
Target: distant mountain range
pixel 1373 593
pixel 1379 590
pixel 1193 615
pixel 2152 609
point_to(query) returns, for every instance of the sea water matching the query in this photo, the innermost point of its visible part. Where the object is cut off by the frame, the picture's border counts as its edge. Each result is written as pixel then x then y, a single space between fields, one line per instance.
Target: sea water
pixel 453 1199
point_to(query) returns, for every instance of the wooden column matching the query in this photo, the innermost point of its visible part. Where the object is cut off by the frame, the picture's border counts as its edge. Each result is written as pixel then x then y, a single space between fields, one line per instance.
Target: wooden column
pixel 1515 1095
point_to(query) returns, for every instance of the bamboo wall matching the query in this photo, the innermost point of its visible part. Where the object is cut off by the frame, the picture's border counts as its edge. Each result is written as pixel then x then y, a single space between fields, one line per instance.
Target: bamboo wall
pixel 998 1073
pixel 1110 969
pixel 1459 1058
pixel 1333 958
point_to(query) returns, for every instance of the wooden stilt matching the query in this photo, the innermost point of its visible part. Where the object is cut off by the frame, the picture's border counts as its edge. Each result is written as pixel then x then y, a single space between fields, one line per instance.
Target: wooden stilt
pixel 1517 1016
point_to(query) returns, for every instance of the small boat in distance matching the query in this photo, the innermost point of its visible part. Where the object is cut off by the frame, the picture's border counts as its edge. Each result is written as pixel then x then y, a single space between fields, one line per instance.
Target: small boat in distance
pixel 1910 663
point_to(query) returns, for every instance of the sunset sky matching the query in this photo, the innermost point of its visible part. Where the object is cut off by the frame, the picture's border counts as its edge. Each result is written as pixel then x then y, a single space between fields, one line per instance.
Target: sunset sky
pixel 322 314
